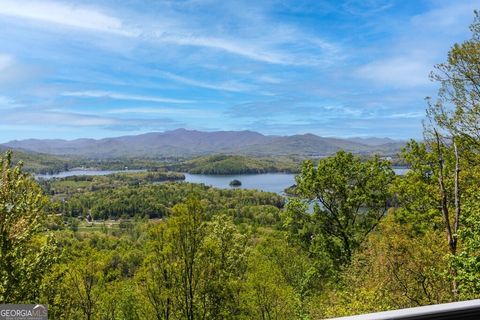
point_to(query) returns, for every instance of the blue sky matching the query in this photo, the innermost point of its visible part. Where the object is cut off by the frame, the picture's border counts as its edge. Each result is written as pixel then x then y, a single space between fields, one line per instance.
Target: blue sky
pixel 71 69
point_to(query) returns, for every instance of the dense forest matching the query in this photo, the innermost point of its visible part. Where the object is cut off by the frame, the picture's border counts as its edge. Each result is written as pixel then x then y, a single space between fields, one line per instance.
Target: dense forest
pixel 40 163
pixel 355 238
pixel 233 164
pixel 214 164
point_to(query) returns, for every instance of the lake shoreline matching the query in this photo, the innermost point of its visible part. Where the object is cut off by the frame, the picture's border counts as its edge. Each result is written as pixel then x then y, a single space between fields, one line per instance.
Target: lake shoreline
pixel 275 182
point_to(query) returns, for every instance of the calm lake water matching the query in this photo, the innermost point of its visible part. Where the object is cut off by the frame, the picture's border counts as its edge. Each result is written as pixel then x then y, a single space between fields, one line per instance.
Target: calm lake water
pixel 65 174
pixel 271 182
pixel 400 171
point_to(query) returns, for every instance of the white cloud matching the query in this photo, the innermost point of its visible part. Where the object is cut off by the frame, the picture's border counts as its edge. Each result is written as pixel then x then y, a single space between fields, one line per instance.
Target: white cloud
pixel 269 79
pixel 27 117
pixel 233 86
pixel 453 17
pixel 366 7
pixel 5 100
pixel 13 72
pixel 407 115
pixel 64 14
pixel 247 50
pixel 262 48
pixel 121 96
pixel 6 61
pixel 164 111
pixel 407 71
pixel 419 44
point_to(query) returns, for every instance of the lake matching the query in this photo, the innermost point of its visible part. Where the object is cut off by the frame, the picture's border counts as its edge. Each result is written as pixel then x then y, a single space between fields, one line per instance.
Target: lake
pixel 65 174
pixel 270 182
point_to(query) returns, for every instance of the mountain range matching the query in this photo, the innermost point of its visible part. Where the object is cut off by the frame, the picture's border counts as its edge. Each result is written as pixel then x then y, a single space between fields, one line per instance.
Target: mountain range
pixel 189 143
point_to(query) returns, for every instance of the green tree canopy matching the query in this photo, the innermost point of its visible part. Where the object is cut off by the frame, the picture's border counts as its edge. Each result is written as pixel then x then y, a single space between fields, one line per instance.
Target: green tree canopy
pixel 25 254
pixel 350 197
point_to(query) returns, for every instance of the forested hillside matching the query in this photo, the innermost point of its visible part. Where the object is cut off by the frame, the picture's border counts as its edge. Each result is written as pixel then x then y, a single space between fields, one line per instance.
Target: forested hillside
pixel 229 164
pixel 38 162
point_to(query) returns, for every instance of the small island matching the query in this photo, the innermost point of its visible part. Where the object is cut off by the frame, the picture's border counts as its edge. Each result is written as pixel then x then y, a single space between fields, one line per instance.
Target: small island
pixel 235 183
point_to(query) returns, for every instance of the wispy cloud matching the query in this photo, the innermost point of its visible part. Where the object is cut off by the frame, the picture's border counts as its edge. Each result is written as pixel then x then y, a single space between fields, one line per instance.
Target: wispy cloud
pixel 247 50
pixel 12 72
pixel 295 108
pixel 407 115
pixel 418 44
pixel 450 17
pixel 121 96
pixel 25 116
pixel 163 111
pixel 65 14
pixel 5 62
pixel 232 85
pixel 7 102
pixel 409 71
pixel 94 19
pixel 255 50
pixel 366 7
pixel 269 79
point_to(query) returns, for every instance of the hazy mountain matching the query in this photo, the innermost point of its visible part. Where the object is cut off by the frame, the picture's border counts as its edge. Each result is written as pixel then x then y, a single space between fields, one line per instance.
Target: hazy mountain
pixel 306 144
pixel 373 141
pixel 183 142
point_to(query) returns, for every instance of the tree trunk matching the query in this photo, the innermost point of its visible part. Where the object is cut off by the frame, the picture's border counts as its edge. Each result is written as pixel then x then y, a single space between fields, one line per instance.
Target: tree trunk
pixel 451 237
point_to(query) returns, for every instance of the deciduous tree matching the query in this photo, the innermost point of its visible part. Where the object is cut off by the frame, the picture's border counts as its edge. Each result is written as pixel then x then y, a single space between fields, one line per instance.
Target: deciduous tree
pixel 350 197
pixel 25 253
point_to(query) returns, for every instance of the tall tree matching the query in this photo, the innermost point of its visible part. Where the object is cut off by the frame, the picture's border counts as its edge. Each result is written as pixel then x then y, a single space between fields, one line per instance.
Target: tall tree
pixel 454 127
pixel 86 277
pixel 194 268
pixel 25 254
pixel 350 197
pixel 158 274
pixel 188 231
